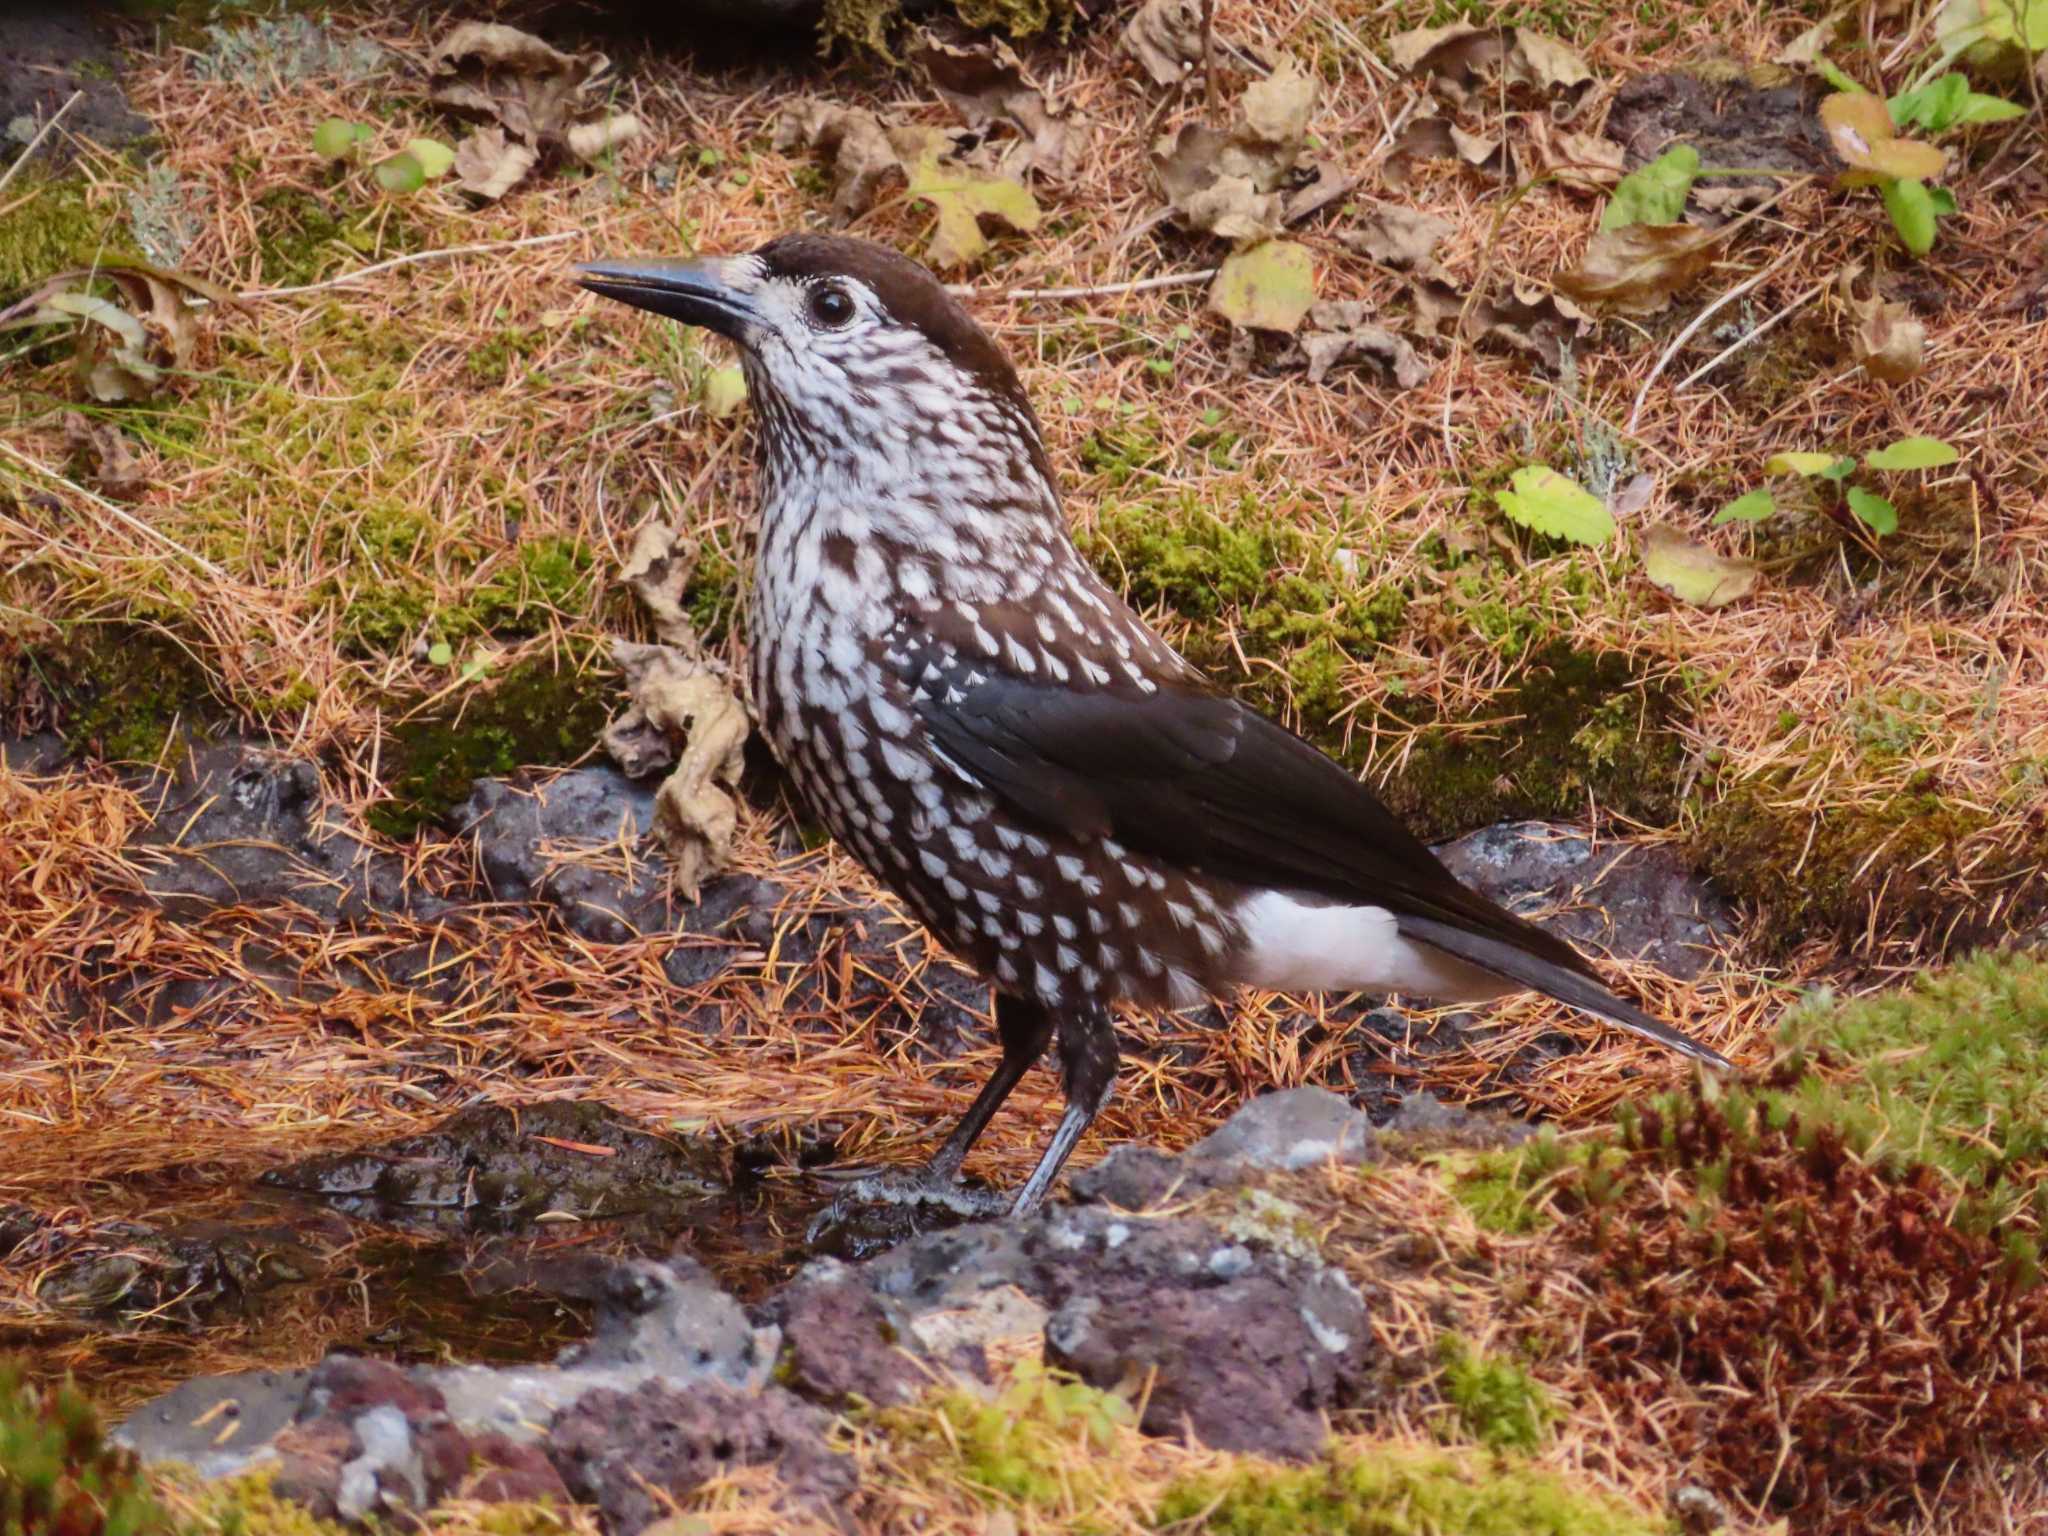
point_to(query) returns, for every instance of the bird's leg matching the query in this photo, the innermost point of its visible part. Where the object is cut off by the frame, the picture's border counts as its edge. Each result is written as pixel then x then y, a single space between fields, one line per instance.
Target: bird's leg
pixel 1025 1029
pixel 1088 1059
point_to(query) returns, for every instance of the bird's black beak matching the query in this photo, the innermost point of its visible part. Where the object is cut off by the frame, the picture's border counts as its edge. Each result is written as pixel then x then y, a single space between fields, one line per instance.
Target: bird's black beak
pixel 697 291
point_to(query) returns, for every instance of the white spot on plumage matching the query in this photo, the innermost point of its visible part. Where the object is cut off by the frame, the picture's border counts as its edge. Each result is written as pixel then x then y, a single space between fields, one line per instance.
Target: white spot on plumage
pixel 1292 944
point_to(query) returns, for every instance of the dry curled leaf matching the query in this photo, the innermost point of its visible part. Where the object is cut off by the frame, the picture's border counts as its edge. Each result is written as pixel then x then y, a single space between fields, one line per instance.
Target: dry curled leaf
pixel 1396 236
pixel 488 165
pixel 986 84
pixel 1637 270
pixel 1165 37
pixel 1438 138
pixel 1339 336
pixel 1248 184
pixel 683 704
pixel 1889 343
pixel 861 152
pixel 1584 162
pixel 658 569
pixel 1539 325
pixel 123 349
pixel 528 97
pixel 1456 56
pixel 965 202
pixel 100 456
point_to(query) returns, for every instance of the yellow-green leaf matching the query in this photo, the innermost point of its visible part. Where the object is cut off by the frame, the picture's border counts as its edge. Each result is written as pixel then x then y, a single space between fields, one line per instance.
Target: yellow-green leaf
pixel 1799 463
pixel 1266 288
pixel 1542 500
pixel 434 157
pixel 725 391
pixel 1692 572
pixel 1876 512
pixel 1752 508
pixel 1860 128
pixel 1914 453
pixel 962 200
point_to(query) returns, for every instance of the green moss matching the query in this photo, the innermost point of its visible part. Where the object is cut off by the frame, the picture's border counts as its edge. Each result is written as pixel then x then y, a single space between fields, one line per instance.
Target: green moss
pixel 546 578
pixel 866 24
pixel 1501 1186
pixel 1396 1491
pixel 249 1505
pixel 1570 725
pixel 55 225
pixel 1498 1403
pixel 1952 1071
pixel 302 236
pixel 58 1474
pixel 1039 1442
pixel 1892 866
pixel 120 691
pixel 1254 585
pixel 533 716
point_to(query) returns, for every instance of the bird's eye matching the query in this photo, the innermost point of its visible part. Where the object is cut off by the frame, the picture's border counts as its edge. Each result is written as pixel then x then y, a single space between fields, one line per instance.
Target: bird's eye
pixel 831 306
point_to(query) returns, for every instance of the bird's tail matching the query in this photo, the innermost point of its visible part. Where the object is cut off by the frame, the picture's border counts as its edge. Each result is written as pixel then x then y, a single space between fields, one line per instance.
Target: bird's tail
pixel 1505 958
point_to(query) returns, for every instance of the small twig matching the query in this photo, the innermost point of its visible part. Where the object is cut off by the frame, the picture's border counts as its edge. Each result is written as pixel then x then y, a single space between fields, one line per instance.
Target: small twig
pixel 1740 342
pixel 41 133
pixel 120 514
pixel 1209 55
pixel 405 261
pixel 1100 291
pixel 1692 329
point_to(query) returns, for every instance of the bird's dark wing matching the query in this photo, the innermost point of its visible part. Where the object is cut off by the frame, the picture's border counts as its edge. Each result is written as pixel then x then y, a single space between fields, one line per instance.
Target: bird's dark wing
pixel 1198 780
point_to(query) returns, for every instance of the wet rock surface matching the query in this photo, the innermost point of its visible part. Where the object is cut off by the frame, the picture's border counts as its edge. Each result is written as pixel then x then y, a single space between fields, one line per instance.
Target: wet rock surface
pixel 1245 1337
pixel 1629 900
pixel 491 1168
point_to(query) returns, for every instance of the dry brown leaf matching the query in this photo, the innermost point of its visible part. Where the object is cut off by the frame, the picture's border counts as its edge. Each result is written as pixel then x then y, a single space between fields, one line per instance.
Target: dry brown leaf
pixel 985 83
pixel 1396 236
pixel 488 165
pixel 528 97
pixel 1539 325
pixel 1638 270
pixel 1694 573
pixel 862 154
pixel 1889 343
pixel 1340 335
pixel 658 569
pixel 501 75
pixel 1438 138
pixel 1165 37
pixel 100 455
pixel 1457 55
pixel 1583 161
pixel 1239 185
pixel 683 699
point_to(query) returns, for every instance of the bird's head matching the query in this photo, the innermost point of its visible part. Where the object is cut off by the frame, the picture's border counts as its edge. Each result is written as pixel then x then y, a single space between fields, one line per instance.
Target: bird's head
pixel 850 349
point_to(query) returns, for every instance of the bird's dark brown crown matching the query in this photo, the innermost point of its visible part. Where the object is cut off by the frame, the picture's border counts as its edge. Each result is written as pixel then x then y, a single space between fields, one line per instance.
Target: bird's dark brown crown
pixel 911 294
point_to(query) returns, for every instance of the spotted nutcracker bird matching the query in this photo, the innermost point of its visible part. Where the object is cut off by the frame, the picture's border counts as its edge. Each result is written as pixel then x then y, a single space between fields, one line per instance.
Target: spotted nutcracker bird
pixel 1001 740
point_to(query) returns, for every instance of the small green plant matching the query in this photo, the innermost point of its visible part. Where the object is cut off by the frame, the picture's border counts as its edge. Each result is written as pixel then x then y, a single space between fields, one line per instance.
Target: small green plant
pixel 403 173
pixel 1546 502
pixel 1498 1403
pixel 1847 503
pixel 58 1475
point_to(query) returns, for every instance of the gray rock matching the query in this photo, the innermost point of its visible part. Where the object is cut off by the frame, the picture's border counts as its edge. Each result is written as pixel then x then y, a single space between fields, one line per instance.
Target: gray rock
pixel 53 50
pixel 218 1425
pixel 33 756
pixel 841 1342
pixel 1632 901
pixel 241 826
pixel 1423 1116
pixel 656 1323
pixel 1292 1129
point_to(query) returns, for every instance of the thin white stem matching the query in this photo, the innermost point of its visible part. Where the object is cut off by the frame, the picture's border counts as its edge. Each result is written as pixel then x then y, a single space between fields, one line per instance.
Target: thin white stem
pixel 1740 342
pixel 408 260
pixel 42 133
pixel 1104 290
pixel 120 514
pixel 1691 330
